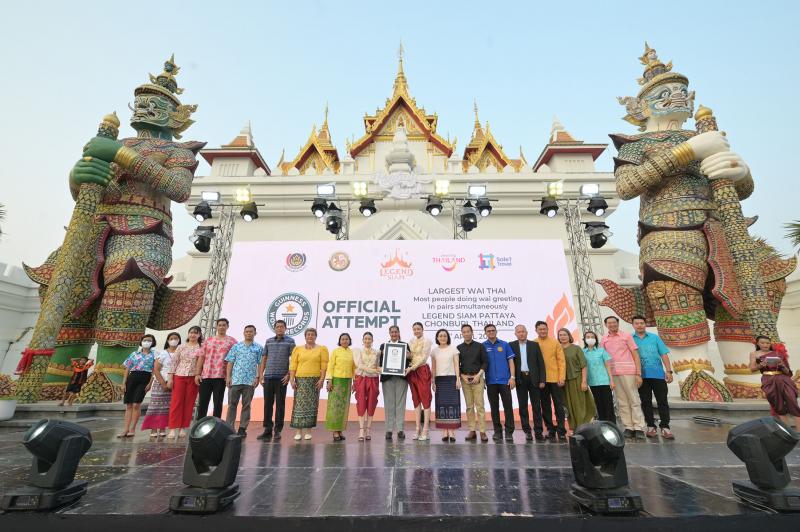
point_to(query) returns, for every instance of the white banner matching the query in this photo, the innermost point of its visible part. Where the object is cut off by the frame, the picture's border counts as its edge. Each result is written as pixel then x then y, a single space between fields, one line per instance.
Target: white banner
pixel 367 285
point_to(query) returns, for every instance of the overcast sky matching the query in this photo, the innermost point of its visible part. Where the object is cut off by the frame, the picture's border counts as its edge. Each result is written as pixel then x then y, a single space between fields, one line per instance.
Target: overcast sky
pixel 66 64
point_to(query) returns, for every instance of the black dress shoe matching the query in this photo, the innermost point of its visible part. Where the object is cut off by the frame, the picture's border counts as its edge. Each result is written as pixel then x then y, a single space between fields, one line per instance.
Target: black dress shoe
pixel 388 435
pixel 540 437
pixel 628 434
pixel 528 436
pixel 277 436
pixel 266 435
pixel 551 436
pixel 241 432
pixel 341 437
pixel 509 437
pixel 497 436
pixel 445 439
pixel 401 435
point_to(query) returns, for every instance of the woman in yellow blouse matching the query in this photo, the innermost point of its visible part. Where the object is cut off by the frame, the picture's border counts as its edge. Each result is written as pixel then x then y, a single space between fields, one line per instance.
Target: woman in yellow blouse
pixel 307 368
pixel 340 386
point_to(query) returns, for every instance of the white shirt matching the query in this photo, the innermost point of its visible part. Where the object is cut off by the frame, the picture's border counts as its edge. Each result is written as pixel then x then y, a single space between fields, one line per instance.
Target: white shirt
pixel 165 357
pixel 444 357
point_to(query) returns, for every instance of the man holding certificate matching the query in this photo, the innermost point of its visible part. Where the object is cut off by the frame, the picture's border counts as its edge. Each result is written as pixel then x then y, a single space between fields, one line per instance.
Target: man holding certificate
pixel 394 359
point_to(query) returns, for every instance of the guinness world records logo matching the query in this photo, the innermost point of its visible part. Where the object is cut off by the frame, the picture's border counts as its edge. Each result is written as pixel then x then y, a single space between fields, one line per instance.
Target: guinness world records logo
pixel 294 309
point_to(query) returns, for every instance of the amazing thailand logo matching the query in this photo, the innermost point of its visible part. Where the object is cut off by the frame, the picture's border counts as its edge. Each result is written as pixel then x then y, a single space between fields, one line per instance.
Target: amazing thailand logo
pixel 448 262
pixel 294 309
pixel 396 267
pixel 295 262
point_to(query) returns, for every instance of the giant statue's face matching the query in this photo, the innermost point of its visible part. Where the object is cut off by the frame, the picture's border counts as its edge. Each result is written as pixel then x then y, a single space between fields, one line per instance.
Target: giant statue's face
pixel 150 110
pixel 670 99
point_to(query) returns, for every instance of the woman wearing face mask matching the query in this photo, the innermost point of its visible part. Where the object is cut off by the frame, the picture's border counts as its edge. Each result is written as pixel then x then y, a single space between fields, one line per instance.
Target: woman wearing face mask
pixel 157 416
pixel 136 382
pixel 184 387
pixel 598 377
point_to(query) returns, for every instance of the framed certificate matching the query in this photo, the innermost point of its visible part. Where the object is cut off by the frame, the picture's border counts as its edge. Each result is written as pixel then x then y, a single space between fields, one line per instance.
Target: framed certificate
pixel 394 359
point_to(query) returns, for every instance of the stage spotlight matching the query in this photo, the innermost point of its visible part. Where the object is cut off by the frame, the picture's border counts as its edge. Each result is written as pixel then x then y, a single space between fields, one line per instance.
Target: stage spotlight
pixel 597 206
pixel 201 238
pixel 319 207
pixel 209 468
pixel 359 189
pixel 590 189
pixel 243 195
pixel 202 212
pixel 434 206
pixel 367 207
pixel 249 211
pixel 601 475
pixel 762 444
pixel 549 207
pixel 327 190
pixel 555 189
pixel 484 207
pixel 469 217
pixel 476 191
pixel 598 234
pixel 57 448
pixel 334 221
pixel 210 195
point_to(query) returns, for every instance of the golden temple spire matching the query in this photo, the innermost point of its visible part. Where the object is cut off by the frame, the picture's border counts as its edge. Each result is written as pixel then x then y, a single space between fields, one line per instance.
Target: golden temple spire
pixel 325 122
pixel 400 82
pixel 475 108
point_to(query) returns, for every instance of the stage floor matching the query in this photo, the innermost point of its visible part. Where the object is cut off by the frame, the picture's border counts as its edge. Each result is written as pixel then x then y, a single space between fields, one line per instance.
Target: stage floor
pixel 690 476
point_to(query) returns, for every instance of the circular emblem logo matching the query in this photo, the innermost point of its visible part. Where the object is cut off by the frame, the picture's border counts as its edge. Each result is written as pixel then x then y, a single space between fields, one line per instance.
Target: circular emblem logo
pixel 294 309
pixel 295 261
pixel 339 261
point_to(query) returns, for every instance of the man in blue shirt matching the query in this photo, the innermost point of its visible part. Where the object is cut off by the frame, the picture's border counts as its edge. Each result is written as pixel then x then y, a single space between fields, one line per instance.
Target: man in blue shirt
pixel 656 374
pixel 274 371
pixel 242 377
pixel 500 381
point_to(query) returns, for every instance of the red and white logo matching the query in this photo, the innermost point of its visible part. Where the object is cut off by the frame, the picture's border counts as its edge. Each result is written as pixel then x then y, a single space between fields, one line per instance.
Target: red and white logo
pixel 449 262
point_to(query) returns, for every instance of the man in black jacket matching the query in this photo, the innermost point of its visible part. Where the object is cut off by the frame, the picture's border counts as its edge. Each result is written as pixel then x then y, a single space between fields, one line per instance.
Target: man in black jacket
pixel 530 377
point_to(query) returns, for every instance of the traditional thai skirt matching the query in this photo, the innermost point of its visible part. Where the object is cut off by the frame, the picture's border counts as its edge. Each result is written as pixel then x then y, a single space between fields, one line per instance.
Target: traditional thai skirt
pixel 157 417
pixel 781 393
pixel 306 403
pixel 580 404
pixel 419 381
pixel 338 404
pixel 367 390
pixel 448 403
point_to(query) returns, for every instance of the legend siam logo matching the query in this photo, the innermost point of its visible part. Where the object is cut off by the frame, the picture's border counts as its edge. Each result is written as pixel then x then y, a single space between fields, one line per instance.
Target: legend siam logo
pixel 295 262
pixel 490 261
pixel 293 308
pixel 396 267
pixel 448 262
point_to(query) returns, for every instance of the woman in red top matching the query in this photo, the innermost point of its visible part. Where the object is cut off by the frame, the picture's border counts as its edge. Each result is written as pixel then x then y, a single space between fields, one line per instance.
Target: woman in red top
pixel 776 379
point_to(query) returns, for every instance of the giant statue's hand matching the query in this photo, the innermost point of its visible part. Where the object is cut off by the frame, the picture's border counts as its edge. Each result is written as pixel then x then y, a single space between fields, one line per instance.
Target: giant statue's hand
pixel 102 148
pixel 92 170
pixel 707 144
pixel 724 164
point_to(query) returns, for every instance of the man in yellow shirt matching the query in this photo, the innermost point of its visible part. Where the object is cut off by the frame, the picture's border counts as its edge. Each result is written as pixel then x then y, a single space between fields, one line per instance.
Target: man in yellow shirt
pixel 555 375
